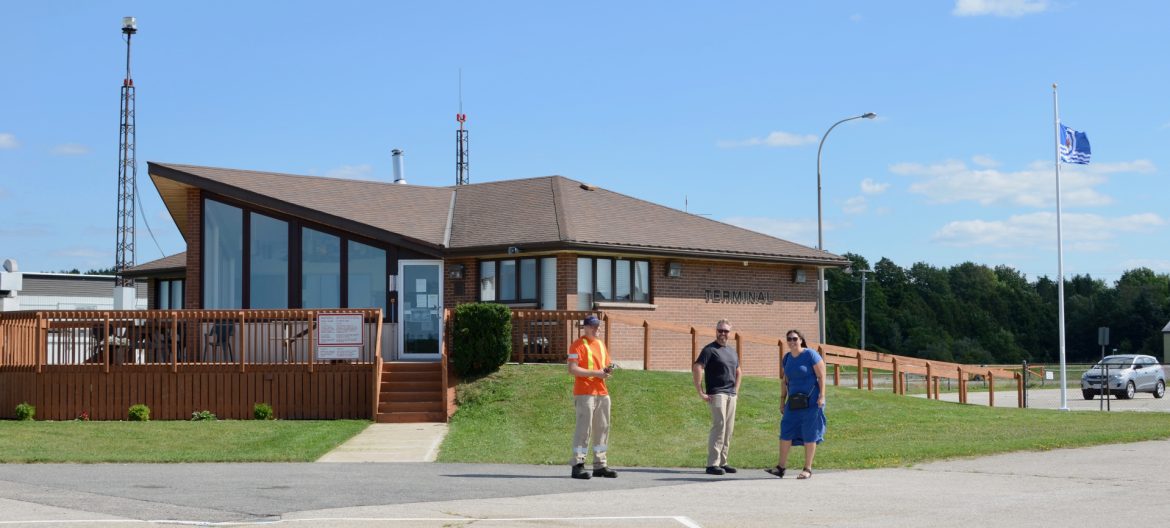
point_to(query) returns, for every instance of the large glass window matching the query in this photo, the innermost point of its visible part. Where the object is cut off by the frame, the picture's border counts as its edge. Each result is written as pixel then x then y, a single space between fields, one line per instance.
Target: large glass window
pixel 268 269
pixel 610 280
pixel 584 283
pixel 223 256
pixel 170 294
pixel 528 279
pixel 367 277
pixel 507 280
pixel 487 281
pixel 548 283
pixel 320 269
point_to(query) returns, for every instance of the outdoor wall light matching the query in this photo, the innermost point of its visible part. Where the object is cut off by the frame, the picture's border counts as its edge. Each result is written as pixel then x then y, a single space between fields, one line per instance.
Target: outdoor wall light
pixel 799 276
pixel 129 25
pixel 674 269
pixel 455 271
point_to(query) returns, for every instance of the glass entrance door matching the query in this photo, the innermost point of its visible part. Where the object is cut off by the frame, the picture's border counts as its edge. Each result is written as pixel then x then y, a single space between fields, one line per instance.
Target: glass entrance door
pixel 420 305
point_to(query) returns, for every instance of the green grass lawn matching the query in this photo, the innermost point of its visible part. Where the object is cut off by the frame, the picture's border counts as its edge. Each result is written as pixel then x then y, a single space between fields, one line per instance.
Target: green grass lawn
pixel 524 414
pixel 173 441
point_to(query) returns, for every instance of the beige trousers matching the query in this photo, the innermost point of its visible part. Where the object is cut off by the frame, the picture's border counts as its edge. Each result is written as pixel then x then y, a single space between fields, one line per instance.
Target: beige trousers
pixel 592 420
pixel 722 424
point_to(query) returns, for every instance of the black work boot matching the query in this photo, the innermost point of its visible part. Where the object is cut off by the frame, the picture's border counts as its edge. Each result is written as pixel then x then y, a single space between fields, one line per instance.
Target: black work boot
pixel 605 472
pixel 579 472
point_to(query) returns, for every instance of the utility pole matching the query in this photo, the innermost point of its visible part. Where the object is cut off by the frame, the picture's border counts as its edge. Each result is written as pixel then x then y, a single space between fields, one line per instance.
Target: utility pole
pixel 125 296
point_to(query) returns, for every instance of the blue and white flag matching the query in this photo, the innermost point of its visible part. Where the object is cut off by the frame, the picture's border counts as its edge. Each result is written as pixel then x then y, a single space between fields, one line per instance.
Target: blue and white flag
pixel 1074 146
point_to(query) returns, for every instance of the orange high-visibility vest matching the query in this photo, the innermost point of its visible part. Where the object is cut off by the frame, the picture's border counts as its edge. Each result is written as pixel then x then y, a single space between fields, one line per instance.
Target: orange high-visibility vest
pixel 590 355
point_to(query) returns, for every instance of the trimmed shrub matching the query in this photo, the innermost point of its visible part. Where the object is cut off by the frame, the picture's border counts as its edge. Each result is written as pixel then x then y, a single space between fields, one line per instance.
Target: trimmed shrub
pixel 482 339
pixel 263 411
pixel 25 411
pixel 139 413
pixel 203 416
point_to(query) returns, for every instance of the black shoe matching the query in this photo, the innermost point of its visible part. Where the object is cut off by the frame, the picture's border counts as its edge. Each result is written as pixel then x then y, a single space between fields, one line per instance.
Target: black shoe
pixel 714 470
pixel 579 472
pixel 729 469
pixel 605 472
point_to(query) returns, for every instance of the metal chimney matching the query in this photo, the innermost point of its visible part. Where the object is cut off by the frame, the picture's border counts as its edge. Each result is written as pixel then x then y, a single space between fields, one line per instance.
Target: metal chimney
pixel 398 176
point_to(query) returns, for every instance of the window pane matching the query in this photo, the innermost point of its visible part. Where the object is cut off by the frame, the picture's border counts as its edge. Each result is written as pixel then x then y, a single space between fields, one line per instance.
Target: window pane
pixel 164 295
pixel 548 283
pixel 177 294
pixel 584 283
pixel 622 280
pixel 268 274
pixel 320 269
pixel 367 277
pixel 223 256
pixel 641 281
pixel 528 279
pixel 487 281
pixel 507 280
pixel 604 280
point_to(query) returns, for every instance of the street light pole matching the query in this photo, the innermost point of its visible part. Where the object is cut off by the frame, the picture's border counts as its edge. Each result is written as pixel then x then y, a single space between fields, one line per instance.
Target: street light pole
pixel 820 225
pixel 863 272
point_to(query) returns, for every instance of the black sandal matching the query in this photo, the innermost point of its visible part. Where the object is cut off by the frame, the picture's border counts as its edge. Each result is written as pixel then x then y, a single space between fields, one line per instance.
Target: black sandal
pixel 803 476
pixel 777 471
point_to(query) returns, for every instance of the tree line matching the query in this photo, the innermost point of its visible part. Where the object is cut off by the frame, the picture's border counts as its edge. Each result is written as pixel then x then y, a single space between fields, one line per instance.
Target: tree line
pixel 970 313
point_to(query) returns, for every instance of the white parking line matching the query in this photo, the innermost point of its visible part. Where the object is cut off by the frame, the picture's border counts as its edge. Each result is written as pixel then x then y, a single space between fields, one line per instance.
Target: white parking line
pixel 683 520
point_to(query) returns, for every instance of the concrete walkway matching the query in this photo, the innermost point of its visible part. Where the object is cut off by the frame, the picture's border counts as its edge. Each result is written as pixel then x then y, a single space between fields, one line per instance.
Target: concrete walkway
pixel 382 442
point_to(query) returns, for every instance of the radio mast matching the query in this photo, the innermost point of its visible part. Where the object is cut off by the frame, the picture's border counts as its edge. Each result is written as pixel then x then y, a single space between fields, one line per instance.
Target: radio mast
pixel 124 291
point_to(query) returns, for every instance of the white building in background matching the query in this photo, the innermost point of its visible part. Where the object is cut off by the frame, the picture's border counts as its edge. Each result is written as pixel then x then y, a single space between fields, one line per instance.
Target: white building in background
pixel 58 291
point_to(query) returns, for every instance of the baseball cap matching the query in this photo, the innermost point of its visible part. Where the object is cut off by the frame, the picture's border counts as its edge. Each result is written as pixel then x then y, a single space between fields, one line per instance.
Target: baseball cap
pixel 592 320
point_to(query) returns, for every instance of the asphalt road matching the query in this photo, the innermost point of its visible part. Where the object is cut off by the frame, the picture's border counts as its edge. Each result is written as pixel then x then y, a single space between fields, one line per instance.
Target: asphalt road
pixel 1125 484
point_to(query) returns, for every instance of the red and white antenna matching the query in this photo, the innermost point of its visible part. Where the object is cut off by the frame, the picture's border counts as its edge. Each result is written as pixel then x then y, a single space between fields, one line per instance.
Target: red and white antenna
pixel 461 168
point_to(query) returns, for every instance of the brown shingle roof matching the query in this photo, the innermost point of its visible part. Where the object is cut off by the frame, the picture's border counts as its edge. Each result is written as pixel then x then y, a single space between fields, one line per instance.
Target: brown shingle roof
pixel 536 213
pixel 176 262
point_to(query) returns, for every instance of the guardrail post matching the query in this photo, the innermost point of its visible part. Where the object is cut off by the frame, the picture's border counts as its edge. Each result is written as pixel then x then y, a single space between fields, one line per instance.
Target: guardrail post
pixel 928 374
pixel 990 389
pixel 519 316
pixel 859 367
pixel 174 342
pixel 962 386
pixel 243 348
pixel 42 341
pixel 780 359
pixel 605 317
pixel 894 364
pixel 1019 390
pixel 695 345
pixel 836 375
pixel 739 349
pixel 106 345
pixel 645 345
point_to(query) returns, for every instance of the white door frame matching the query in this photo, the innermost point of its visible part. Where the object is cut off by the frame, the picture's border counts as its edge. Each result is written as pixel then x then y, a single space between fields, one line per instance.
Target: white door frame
pixel 400 288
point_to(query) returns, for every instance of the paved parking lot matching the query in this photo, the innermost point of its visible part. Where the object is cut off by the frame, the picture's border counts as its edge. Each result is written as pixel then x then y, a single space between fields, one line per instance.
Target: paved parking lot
pixel 1050 399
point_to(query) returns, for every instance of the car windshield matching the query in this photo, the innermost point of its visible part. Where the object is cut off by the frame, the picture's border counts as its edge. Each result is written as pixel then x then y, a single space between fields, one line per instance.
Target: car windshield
pixel 1116 362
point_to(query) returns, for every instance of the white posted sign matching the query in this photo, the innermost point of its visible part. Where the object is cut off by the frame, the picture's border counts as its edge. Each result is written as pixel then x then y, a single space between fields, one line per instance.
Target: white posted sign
pixel 339 335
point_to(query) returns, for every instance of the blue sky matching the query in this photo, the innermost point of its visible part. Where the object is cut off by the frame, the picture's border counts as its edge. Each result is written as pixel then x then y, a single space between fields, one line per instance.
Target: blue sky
pixel 715 107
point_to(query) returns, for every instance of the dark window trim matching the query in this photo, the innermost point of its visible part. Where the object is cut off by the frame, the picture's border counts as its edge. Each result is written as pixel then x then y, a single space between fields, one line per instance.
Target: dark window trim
pixel 158 288
pixel 516 276
pixel 613 260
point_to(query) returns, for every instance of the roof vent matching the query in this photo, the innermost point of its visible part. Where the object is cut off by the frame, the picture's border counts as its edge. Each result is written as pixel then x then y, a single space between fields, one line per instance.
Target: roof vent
pixel 10 265
pixel 588 187
pixel 399 177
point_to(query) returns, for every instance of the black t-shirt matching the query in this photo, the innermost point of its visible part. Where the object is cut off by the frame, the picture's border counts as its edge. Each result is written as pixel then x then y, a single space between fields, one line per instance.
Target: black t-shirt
pixel 719 365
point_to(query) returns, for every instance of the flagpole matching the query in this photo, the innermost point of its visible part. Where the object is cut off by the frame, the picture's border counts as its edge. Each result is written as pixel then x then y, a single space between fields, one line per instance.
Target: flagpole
pixel 1059 254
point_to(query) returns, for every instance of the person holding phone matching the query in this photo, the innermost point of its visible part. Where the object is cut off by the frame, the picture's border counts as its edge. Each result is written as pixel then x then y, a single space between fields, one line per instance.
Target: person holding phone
pixel 590 365
pixel 802 403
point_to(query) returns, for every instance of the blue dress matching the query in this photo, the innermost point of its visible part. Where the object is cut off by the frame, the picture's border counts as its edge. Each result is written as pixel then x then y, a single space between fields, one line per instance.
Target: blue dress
pixel 803 425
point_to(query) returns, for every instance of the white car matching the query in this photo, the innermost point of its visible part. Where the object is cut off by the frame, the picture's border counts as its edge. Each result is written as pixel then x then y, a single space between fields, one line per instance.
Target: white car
pixel 1128 374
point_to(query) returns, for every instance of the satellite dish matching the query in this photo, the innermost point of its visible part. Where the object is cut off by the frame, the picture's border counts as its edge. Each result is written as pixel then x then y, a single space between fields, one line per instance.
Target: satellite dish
pixel 10 265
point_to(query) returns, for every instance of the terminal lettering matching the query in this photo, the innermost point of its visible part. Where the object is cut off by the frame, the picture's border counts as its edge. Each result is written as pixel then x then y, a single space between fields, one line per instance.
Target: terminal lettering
pixel 737 297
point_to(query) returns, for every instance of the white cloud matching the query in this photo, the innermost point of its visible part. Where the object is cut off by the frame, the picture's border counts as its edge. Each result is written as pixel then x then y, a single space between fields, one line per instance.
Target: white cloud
pixel 868 186
pixel 953 181
pixel 80 252
pixel 856 205
pixel 799 231
pixel 984 161
pixel 8 141
pixel 70 149
pixel 352 172
pixel 1083 232
pixel 1000 8
pixel 775 139
pixel 1161 266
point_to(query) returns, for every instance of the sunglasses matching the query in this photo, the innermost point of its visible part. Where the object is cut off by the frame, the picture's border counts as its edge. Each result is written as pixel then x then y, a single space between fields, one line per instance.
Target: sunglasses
pixel 717 331
pixel 793 339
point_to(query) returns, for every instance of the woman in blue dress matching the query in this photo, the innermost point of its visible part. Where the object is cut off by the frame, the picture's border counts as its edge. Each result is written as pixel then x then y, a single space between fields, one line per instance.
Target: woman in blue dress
pixel 804 374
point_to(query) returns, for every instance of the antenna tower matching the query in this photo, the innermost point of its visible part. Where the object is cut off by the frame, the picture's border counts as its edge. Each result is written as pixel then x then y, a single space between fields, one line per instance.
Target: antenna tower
pixel 127 170
pixel 461 169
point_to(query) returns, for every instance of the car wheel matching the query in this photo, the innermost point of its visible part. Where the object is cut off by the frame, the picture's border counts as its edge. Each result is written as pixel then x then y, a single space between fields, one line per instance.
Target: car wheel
pixel 1130 390
pixel 1160 389
pixel 1089 394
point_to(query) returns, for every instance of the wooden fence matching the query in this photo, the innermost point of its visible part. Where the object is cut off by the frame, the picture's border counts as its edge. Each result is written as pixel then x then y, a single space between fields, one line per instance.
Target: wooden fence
pixel 181 361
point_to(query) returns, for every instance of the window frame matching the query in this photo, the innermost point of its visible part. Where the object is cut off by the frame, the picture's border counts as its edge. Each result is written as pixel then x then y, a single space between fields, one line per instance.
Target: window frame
pixel 517 278
pixel 632 264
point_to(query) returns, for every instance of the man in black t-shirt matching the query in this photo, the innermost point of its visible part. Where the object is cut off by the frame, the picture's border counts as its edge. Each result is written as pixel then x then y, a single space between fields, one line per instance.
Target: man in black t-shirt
pixel 721 365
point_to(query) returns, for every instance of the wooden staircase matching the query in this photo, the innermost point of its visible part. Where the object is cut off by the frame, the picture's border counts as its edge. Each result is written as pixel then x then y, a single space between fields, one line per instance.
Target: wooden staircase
pixel 411 392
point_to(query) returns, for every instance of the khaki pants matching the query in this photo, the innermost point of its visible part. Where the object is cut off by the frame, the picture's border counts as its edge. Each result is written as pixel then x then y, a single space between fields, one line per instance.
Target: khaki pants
pixel 722 424
pixel 592 420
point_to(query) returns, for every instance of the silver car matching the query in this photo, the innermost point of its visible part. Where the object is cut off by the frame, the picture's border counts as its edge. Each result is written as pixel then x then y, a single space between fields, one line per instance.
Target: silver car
pixel 1128 374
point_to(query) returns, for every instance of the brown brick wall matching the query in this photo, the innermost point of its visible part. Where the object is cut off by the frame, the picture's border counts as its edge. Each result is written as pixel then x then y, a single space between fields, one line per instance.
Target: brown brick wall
pixel 192 296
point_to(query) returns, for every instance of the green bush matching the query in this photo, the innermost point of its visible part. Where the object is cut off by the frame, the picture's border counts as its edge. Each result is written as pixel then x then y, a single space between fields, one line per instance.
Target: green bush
pixel 482 339
pixel 25 411
pixel 263 411
pixel 139 413
pixel 203 416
